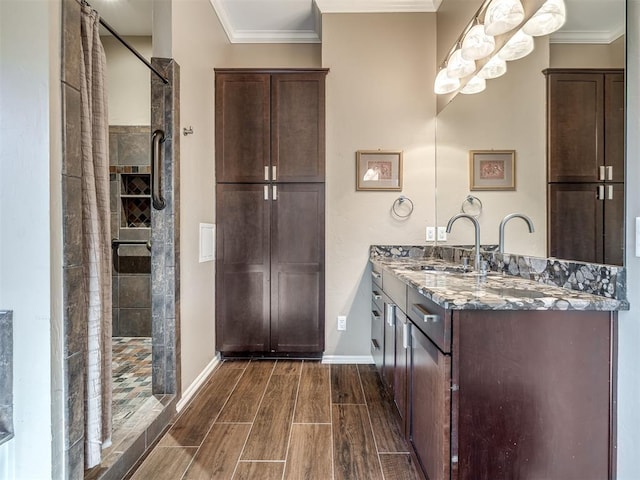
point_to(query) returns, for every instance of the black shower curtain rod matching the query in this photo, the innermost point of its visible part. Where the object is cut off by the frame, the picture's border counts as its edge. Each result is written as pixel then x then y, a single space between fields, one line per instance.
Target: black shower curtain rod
pixel 126 44
pixel 133 50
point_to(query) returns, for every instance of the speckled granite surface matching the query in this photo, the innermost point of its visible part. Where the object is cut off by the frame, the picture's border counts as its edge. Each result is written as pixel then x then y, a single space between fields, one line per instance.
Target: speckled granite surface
pixel 513 282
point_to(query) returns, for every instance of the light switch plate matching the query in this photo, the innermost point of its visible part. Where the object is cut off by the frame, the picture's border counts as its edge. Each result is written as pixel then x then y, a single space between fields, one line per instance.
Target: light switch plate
pixel 637 236
pixel 442 234
pixel 342 322
pixel 207 242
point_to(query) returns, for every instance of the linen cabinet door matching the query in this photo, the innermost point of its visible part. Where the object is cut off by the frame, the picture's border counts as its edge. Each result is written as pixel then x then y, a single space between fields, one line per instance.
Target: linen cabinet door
pixel 243 127
pixel 298 127
pixel 575 103
pixel 430 380
pixel 614 114
pixel 297 268
pixel 613 243
pixel 242 277
pixel 575 223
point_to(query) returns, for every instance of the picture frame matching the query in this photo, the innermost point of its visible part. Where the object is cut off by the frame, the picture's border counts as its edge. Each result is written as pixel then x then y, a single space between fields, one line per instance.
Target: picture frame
pixel 492 170
pixel 379 170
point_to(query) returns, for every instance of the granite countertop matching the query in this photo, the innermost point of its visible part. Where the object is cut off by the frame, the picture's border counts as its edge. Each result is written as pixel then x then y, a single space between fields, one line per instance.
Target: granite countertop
pixel 450 287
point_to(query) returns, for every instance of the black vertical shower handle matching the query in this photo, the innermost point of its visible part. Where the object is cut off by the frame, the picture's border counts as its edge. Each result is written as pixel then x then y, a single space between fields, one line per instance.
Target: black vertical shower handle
pixel 156 170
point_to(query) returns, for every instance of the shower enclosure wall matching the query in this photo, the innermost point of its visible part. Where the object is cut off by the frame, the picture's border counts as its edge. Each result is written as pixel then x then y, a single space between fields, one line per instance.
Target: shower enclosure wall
pixel 129 158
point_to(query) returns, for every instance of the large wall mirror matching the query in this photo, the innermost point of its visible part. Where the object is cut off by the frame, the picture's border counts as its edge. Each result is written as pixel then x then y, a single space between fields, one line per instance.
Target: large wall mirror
pixel 511 115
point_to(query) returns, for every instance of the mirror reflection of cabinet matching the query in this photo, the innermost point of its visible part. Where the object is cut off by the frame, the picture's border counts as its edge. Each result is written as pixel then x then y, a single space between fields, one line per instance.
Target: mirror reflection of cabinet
pixel 585 154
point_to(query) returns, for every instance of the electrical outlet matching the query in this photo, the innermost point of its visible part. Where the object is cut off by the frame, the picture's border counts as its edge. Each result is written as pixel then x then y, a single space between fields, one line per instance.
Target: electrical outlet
pixel 442 234
pixel 430 234
pixel 342 322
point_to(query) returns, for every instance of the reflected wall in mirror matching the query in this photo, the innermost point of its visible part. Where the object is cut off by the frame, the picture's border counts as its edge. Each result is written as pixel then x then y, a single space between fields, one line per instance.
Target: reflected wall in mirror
pixel 511 115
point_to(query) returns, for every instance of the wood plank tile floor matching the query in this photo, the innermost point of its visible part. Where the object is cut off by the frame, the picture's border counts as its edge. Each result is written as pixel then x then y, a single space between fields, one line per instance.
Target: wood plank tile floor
pixel 284 420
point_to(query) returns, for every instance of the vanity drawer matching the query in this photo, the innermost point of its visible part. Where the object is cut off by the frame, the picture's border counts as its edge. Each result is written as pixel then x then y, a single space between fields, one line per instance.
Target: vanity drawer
pixel 376 276
pixel 433 320
pixel 396 289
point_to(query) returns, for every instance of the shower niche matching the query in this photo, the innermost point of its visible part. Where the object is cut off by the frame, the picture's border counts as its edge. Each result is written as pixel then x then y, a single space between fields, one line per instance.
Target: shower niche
pixel 130 175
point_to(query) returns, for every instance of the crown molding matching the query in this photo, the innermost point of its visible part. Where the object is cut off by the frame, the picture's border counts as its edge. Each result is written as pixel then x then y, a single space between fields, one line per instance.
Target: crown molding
pixel 602 37
pixel 377 6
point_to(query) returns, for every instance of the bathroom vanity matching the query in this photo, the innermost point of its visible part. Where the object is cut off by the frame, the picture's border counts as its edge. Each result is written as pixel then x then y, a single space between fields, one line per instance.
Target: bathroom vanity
pixel 498 376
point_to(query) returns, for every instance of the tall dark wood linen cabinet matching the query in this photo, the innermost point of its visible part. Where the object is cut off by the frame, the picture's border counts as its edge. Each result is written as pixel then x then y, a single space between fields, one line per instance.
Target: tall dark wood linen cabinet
pixel 585 155
pixel 270 173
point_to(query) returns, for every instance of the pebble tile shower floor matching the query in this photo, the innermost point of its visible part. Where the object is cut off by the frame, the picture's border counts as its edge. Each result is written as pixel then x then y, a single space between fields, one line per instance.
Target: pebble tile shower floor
pixel 131 367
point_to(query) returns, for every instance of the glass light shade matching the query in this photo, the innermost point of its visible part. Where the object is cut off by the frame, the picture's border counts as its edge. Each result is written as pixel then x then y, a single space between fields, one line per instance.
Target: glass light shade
pixel 458 67
pixel 477 44
pixel 519 46
pixel 494 68
pixel 549 18
pixel 502 16
pixel 444 83
pixel 475 85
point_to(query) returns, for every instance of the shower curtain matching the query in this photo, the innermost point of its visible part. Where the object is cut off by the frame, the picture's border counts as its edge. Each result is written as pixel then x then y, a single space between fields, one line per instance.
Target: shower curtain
pixel 96 239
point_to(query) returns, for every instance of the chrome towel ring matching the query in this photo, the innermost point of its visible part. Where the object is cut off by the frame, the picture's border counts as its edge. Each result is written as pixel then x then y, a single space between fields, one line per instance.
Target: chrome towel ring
pixel 402 207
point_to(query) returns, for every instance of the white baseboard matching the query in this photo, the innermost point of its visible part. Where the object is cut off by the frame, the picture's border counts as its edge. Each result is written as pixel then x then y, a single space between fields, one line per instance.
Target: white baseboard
pixel 197 383
pixel 336 359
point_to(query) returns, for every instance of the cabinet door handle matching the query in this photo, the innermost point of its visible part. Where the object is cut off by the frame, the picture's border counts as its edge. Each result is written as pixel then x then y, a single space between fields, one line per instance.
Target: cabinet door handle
pixel 273 173
pixel 376 295
pixel 426 316
pixel 609 192
pixel 266 173
pixel 391 314
pixel 266 192
pixel 376 275
pixel 602 173
pixel 275 192
pixel 374 344
pixel 600 192
pixel 610 173
pixel 406 335
pixel 375 316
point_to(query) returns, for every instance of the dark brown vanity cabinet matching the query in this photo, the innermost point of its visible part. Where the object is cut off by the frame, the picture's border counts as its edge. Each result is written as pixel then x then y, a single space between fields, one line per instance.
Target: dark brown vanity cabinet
pixel 377 319
pixel 270 212
pixel 504 394
pixel 585 164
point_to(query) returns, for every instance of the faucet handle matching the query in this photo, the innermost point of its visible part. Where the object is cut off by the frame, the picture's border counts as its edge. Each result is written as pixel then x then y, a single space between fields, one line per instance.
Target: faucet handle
pixel 465 263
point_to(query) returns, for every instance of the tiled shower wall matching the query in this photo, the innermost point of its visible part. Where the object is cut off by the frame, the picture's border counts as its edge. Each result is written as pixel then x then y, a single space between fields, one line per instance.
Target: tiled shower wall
pixel 129 159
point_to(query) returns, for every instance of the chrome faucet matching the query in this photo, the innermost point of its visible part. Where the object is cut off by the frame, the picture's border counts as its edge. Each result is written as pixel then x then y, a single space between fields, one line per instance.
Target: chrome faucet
pixel 476 225
pixel 504 222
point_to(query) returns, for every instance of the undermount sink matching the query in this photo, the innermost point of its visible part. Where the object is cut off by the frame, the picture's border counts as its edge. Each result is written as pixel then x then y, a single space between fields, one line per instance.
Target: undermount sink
pixel 439 269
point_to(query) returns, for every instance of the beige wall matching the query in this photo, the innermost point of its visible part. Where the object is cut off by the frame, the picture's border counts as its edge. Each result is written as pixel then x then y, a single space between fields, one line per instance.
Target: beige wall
pixel 379 96
pixel 584 55
pixel 200 45
pixel 128 81
pixel 508 115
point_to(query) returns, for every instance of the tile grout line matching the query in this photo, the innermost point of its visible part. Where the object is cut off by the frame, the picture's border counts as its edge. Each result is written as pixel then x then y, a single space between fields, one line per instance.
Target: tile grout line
pixel 254 419
pixel 293 415
pixel 333 442
pixel 375 441
pixel 216 417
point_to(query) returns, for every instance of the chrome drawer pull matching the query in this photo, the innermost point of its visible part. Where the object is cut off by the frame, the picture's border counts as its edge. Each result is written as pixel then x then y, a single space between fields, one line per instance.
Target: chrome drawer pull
pixel 391 314
pixel 376 295
pixel 426 316
pixel 374 344
pixel 376 275
pixel 375 316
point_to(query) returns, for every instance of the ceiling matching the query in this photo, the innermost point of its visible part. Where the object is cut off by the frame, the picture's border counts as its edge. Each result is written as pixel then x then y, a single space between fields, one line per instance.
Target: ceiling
pixel 299 21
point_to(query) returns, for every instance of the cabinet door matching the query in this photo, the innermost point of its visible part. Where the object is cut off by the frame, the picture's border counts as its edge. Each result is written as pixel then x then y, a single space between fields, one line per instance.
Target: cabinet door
pixel 403 342
pixel 614 224
pixel 297 268
pixel 298 117
pixel 576 222
pixel 430 379
pixel 575 126
pixel 243 134
pixel 242 277
pixel 614 124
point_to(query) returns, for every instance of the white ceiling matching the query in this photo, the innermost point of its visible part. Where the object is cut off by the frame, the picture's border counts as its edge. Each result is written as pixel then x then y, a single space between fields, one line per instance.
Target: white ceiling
pixel 299 21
